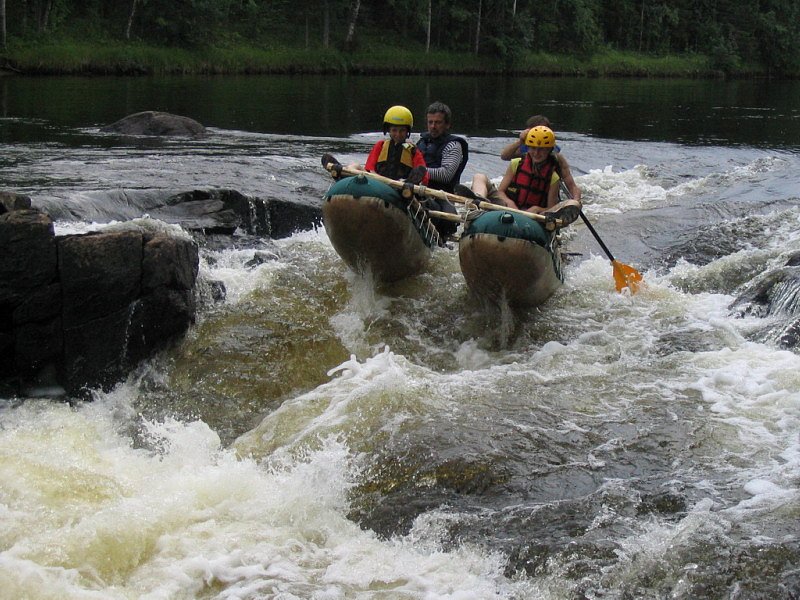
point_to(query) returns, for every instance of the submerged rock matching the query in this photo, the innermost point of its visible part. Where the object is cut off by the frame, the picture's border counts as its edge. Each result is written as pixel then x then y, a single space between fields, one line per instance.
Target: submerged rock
pixel 790 337
pixel 208 211
pixel 777 292
pixel 12 201
pixel 776 295
pixel 152 122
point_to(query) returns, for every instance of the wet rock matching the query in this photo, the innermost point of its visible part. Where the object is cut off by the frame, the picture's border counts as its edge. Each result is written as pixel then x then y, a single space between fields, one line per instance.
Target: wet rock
pixel 259 258
pixel 793 260
pixel 665 503
pixel 286 218
pixel 6 358
pixel 777 295
pixel 530 559
pixel 156 319
pixel 156 123
pixel 790 337
pixel 27 255
pixel 90 307
pixel 217 291
pixel 210 212
pixel 101 273
pixel 12 201
pixel 169 262
pixel 775 292
pixel 37 329
pixel 80 311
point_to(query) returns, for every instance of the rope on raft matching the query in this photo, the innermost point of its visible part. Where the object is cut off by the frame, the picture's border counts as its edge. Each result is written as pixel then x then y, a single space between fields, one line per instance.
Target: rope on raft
pixel 423 223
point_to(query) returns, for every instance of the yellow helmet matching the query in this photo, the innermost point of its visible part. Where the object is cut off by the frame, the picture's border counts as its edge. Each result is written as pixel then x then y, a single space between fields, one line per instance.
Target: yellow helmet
pixel 398 115
pixel 540 137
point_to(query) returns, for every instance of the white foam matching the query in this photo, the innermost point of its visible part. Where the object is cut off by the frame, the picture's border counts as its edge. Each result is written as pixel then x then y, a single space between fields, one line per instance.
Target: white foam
pixel 187 518
pixel 607 191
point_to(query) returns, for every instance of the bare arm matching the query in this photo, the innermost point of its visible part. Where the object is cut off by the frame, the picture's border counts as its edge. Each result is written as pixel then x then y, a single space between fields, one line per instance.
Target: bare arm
pixel 512 150
pixel 501 189
pixel 566 175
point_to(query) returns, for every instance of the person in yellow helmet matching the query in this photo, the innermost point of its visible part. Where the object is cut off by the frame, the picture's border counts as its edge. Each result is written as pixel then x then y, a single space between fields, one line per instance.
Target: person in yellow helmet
pixel 517 148
pixel 396 157
pixel 530 182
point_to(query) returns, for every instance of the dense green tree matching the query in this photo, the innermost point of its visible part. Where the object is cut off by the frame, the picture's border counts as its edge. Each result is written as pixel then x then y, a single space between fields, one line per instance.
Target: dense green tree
pixel 2 24
pixel 730 32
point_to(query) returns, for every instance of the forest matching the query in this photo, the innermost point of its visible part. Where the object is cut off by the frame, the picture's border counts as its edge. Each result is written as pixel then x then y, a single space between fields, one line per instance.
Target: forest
pixel 756 36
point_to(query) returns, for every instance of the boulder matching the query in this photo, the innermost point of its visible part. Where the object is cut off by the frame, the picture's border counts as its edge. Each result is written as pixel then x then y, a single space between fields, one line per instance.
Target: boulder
pixel 27 255
pixel 100 273
pixel 152 122
pixel 80 311
pixel 12 201
pixel 158 318
pixel 790 336
pixel 770 294
pixel 169 262
pixel 208 211
pixel 37 345
pixel 776 296
pixel 37 330
pixel 95 353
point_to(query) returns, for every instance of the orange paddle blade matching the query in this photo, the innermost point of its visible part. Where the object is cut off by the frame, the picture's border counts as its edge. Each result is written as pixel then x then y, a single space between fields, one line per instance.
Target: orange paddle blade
pixel 626 276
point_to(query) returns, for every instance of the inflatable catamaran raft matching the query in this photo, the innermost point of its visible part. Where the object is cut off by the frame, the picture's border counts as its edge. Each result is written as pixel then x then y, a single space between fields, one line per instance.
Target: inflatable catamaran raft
pixel 378 225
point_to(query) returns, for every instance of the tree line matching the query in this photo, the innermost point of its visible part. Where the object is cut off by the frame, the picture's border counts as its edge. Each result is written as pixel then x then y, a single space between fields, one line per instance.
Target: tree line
pixel 730 32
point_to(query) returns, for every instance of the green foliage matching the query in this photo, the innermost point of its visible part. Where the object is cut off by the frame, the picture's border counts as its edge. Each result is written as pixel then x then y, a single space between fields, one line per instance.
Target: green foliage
pixel 778 41
pixel 582 25
pixel 268 34
pixel 187 22
pixel 724 58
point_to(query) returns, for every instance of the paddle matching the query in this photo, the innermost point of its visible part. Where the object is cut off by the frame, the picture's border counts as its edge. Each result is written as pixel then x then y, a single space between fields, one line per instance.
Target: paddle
pixel 625 276
pixel 559 218
pixel 559 215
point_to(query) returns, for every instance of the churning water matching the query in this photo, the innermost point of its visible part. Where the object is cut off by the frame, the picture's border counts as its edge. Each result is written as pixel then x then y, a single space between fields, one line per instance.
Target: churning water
pixel 317 437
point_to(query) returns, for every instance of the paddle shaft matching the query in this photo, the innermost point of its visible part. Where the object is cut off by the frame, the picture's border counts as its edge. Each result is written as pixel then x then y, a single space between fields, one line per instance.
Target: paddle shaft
pixel 426 191
pixel 625 276
pixel 589 225
pixel 438 214
pixel 597 237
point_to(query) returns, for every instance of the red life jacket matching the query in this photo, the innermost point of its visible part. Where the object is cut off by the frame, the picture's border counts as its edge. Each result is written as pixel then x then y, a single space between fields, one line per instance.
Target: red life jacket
pixel 532 184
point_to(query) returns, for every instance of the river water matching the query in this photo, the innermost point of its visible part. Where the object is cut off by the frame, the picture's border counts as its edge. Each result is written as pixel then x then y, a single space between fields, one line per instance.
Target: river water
pixel 316 437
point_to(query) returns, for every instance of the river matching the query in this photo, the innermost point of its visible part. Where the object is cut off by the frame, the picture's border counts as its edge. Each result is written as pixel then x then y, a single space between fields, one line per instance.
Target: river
pixel 317 437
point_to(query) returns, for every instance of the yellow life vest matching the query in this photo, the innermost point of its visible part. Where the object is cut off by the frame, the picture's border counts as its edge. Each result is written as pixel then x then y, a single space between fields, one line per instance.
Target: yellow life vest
pixel 406 156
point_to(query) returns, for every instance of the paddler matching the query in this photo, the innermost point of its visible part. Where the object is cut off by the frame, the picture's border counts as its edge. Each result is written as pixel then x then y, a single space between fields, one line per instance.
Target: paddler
pixel 530 182
pixel 397 157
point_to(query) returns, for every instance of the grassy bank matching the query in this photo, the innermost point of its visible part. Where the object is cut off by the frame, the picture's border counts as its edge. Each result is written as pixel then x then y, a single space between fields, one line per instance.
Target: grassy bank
pixel 71 57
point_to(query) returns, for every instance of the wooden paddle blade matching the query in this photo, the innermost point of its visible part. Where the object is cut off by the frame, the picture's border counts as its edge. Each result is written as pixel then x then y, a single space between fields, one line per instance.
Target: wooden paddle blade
pixel 625 276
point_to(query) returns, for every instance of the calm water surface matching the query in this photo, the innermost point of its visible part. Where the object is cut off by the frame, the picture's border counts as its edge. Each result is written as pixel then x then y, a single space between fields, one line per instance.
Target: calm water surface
pixel 754 113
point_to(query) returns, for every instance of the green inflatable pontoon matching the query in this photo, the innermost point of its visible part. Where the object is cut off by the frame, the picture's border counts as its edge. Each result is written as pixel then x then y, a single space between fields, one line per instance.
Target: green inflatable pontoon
pixel 376 231
pixel 510 258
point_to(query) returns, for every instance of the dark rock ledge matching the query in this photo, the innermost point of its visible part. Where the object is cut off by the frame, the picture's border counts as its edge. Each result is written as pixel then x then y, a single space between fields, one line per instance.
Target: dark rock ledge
pixel 81 311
